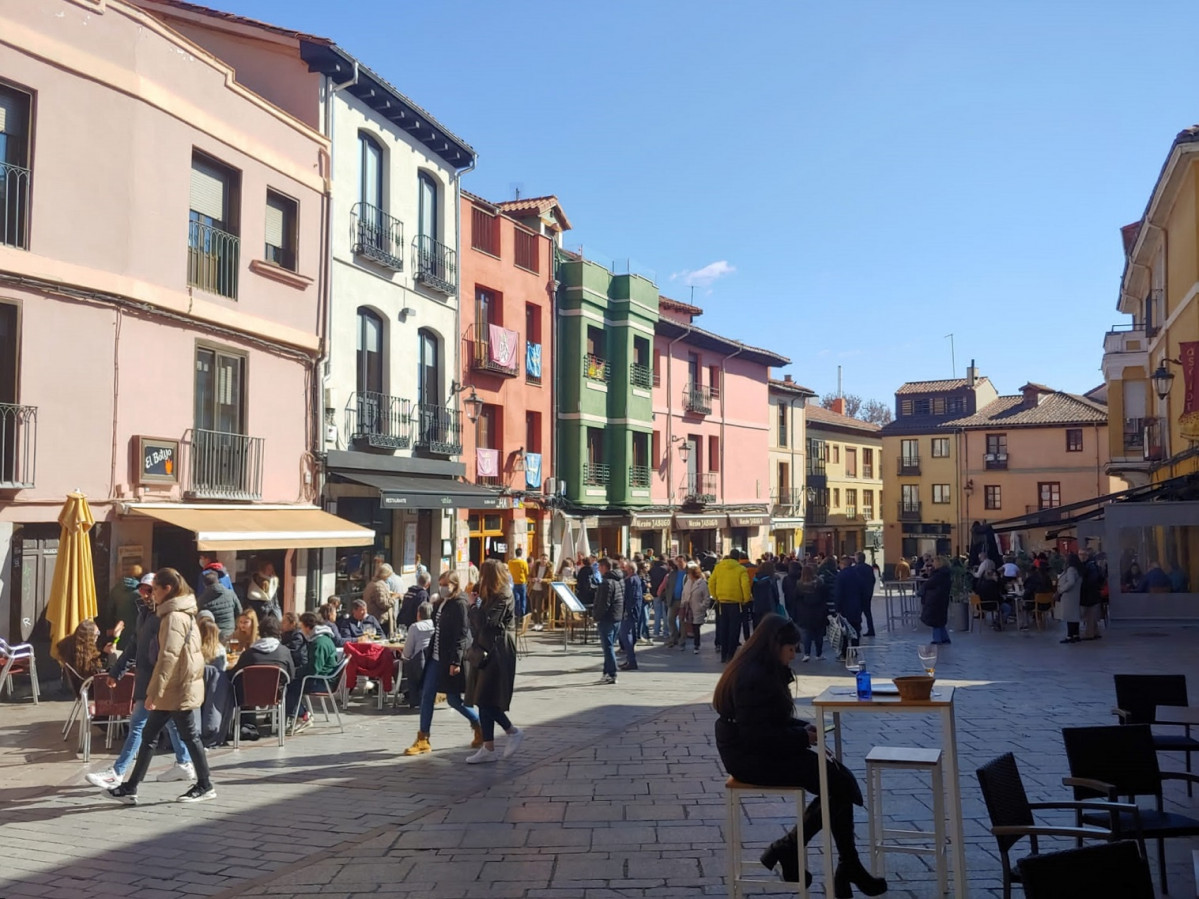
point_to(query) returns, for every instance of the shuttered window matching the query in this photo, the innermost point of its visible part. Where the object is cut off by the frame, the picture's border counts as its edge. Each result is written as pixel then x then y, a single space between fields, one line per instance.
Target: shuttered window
pixel 280 230
pixel 14 126
pixel 209 192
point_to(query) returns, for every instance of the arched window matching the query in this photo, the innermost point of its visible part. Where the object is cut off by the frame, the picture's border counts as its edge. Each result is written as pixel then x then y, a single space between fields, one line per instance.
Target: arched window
pixel 370 351
pixel 370 185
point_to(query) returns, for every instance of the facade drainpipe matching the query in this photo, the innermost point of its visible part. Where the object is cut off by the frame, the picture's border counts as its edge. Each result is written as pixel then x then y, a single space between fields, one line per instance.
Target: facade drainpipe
pixel 670 417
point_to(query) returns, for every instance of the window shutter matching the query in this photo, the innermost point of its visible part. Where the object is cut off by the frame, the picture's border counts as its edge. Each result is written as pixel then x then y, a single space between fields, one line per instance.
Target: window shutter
pixel 275 217
pixel 12 115
pixel 208 191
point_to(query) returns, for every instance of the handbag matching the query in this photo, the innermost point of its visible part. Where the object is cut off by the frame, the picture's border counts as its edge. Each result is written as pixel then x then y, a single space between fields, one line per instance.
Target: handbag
pixel 833 632
pixel 477 656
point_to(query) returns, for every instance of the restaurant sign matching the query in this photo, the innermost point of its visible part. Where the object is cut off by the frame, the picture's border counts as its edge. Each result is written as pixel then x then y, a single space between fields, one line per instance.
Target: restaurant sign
pixel 651 522
pixel 699 522
pixel 748 521
pixel 156 459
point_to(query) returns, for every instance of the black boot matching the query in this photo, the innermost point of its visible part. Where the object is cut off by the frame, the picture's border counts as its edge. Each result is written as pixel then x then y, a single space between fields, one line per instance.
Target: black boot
pixel 785 854
pixel 852 872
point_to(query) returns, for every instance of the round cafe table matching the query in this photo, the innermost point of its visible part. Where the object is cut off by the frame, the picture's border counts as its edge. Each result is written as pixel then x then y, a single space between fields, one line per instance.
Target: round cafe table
pixel 374 659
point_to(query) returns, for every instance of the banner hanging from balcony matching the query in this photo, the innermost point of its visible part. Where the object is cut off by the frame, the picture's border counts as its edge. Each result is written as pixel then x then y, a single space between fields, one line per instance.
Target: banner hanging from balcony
pixel 1189 420
pixel 501 346
pixel 533 470
pixel 533 360
pixel 487 463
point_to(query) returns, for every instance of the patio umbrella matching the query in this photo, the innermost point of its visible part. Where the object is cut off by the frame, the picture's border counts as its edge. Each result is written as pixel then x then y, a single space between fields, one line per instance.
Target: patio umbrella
pixel 73 593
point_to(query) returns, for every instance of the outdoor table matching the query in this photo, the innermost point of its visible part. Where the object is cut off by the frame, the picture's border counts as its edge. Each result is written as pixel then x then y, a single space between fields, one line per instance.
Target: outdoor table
pixel 373 660
pixel 843 700
pixel 905 592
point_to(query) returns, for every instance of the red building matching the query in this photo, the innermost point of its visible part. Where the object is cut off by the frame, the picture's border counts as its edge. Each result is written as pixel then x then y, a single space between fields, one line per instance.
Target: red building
pixel 506 329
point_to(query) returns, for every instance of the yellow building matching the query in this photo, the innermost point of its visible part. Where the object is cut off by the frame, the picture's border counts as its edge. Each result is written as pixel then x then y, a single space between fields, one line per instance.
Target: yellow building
pixel 788 444
pixel 845 512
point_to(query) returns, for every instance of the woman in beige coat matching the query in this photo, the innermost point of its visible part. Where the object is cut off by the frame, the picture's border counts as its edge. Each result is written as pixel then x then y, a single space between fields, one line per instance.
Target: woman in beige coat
pixel 696 599
pixel 176 689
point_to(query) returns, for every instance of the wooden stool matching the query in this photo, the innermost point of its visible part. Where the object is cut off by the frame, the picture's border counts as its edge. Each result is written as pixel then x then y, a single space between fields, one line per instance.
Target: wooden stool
pixel 905 758
pixel 735 789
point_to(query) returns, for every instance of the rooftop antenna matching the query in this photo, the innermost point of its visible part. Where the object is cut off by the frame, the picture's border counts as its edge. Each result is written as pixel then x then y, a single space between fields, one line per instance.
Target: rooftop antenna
pixel 840 392
pixel 692 294
pixel 953 365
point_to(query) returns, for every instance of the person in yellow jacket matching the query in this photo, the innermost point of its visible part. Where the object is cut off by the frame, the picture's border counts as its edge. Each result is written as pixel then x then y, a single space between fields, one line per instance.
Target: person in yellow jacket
pixel 519 569
pixel 729 586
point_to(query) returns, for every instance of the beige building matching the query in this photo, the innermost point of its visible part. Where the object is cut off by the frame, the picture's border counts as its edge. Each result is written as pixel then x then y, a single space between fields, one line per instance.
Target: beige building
pixel 788 473
pixel 845 488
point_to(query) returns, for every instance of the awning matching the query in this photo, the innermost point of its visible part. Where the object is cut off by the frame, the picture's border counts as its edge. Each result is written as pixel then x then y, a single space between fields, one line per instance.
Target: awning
pixel 250 527
pixel 1060 517
pixel 397 491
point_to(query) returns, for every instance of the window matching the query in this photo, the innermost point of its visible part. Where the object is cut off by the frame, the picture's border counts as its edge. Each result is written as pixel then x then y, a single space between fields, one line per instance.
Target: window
pixel 641 351
pixel 714 379
pixel 595 342
pixel 533 323
pixel 851 462
pixel 370 351
pixel 489 310
pixel 909 452
pixel 940 493
pixel 657 368
pixel 713 453
pixel 488 428
pixel 370 177
pixel 992 497
pixel 922 406
pixel 867 463
pixel 868 503
pixel 281 214
pixel 15 120
pixel 905 407
pixel 220 391
pixel 997 445
pixel 851 501
pixel 524 246
pixel 428 376
pixel 595 472
pixel 533 432
pixel 427 217
pixel 1049 494
pixel 1074 440
pixel 212 243
pixel 938 405
pixel 641 451
pixel 782 425
pixel 484 231
pixel 956 405
pixel 836 497
pixel 836 452
pixel 910 497
pixel 784 482
pixel 656 450
pixel 694 371
pixel 940 447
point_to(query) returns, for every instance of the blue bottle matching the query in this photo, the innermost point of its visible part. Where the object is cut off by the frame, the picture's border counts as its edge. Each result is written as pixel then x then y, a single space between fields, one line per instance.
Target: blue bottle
pixel 864 691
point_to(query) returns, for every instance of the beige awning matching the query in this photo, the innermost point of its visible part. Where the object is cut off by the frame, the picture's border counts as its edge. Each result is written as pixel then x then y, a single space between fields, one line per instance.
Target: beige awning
pixel 249 527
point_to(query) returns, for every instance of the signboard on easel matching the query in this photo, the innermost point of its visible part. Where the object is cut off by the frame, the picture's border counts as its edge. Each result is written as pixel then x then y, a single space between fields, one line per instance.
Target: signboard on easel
pixel 573 605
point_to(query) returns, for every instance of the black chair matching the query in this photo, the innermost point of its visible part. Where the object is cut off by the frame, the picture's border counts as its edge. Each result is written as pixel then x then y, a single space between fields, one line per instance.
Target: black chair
pixel 1137 699
pixel 1107 869
pixel 1012 814
pixel 1122 761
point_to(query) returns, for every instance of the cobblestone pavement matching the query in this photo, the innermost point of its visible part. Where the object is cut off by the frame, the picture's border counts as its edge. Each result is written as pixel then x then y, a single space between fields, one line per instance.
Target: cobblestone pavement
pixel 616 792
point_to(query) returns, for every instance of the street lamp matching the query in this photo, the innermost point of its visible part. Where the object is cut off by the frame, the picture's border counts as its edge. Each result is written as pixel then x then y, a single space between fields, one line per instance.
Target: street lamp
pixel 1163 380
pixel 474 405
pixel 684 448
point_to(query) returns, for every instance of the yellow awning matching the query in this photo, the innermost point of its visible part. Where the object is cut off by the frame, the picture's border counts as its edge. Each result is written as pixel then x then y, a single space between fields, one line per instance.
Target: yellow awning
pixel 249 527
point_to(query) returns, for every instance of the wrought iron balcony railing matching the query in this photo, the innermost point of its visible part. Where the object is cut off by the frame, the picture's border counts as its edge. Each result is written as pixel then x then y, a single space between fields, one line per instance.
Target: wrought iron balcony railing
pixel 908 465
pixel 816 466
pixel 639 476
pixel 640 376
pixel 18 446
pixel 379 420
pixel 225 465
pixel 995 461
pixel 909 511
pixel 595 474
pixel 438 429
pixel 595 368
pixel 488 356
pixel 789 497
pixel 816 515
pixel 435 264
pixel 699 488
pixel 698 398
pixel 212 259
pixel 377 236
pixel 14 205
pixel 1134 434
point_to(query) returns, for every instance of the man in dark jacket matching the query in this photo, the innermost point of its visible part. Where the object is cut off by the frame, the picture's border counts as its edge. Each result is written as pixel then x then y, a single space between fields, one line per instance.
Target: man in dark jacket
pixel 221 601
pixel 418 593
pixel 672 592
pixel 122 604
pixel 608 612
pixel 267 650
pixel 208 563
pixel 847 596
pixel 354 625
pixel 586 580
pixel 866 584
pixel 630 625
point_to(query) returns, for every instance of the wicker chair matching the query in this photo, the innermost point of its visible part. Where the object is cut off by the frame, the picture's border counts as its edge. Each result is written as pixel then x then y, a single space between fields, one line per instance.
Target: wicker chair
pixel 1137 699
pixel 1109 869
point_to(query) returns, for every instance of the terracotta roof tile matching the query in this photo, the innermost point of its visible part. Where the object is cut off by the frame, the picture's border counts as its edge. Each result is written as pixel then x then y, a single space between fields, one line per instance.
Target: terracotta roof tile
pixel 679 305
pixel 540 205
pixel 1055 409
pixel 828 416
pixel 936 386
pixel 790 386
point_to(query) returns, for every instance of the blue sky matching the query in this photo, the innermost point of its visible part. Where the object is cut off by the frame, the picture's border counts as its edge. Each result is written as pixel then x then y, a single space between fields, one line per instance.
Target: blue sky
pixel 852 181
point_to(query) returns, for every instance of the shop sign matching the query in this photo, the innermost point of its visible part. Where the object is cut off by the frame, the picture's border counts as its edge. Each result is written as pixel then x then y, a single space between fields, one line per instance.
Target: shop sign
pixel 699 522
pixel 157 460
pixel 652 522
pixel 748 521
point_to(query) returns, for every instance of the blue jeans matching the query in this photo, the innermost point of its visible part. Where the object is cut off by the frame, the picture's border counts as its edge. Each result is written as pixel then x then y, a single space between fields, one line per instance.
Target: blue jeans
pixel 627 637
pixel 292 701
pixel 428 698
pixel 489 717
pixel 137 723
pixel 607 636
pixel 660 626
pixel 644 629
pixel 520 597
pixel 940 635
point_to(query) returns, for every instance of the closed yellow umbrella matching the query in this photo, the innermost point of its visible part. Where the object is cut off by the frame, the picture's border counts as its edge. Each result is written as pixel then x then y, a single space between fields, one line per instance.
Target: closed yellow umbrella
pixel 73 593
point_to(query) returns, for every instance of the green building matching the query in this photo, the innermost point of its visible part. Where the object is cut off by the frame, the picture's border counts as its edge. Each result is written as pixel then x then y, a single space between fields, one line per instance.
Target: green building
pixel 604 363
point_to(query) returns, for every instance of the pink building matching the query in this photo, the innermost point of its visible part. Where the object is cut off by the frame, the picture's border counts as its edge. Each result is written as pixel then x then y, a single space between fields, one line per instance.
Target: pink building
pixel 161 279
pixel 710 453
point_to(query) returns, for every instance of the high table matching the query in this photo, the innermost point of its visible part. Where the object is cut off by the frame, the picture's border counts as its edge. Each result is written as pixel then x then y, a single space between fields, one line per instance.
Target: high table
pixel 843 700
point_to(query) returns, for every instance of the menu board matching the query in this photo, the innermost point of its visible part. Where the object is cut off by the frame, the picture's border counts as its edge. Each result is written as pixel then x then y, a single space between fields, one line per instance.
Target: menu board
pixel 568 597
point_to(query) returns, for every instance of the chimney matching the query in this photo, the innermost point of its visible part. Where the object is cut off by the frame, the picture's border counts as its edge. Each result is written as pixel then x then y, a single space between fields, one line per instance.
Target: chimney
pixel 971 374
pixel 838 405
pixel 787 378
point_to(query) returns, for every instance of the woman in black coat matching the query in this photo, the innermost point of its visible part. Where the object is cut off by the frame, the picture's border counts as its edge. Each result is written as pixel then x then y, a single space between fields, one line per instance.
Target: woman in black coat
pixel 491 676
pixel 811 599
pixel 761 742
pixel 934 604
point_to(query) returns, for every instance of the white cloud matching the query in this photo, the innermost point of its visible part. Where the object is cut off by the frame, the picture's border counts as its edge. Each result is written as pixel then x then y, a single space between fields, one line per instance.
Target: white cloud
pixel 703 277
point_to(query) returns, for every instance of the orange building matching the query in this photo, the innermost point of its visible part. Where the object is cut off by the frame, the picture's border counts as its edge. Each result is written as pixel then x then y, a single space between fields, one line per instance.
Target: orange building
pixel 506 332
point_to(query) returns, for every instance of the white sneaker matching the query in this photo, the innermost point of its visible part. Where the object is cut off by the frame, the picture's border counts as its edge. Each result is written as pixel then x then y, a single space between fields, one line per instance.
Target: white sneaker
pixel 807 658
pixel 105 780
pixel 178 772
pixel 513 743
pixel 483 756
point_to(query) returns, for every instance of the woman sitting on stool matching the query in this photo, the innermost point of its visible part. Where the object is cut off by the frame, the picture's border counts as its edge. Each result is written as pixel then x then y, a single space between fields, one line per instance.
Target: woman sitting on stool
pixel 762 742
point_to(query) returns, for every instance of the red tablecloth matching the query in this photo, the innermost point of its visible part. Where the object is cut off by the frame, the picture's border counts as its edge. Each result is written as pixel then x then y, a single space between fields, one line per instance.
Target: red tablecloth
pixel 373 660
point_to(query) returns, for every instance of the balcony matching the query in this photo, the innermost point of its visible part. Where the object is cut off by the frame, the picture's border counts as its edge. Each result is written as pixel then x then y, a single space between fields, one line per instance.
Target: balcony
pixel 496 350
pixel 640 376
pixel 1156 432
pixel 595 474
pixel 698 398
pixel 816 466
pixel 995 461
pixel 18 446
pixel 1134 435
pixel 851 513
pixel 867 471
pixel 909 511
pixel 787 498
pixel 816 515
pixel 225 466
pixel 487 480
pixel 868 513
pixel 434 264
pixel 639 476
pixel 379 420
pixel 699 489
pixel 909 465
pixel 14 206
pixel 595 368
pixel 377 236
pixel 212 259
pixel 438 429
pixel 1130 337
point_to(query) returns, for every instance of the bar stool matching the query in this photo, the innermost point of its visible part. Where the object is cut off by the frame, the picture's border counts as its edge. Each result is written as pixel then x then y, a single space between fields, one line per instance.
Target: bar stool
pixel 734 791
pixel 885 839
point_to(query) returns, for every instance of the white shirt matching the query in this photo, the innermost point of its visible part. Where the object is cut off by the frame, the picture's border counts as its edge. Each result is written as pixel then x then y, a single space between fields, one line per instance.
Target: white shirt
pixel 1011 569
pixel 417 639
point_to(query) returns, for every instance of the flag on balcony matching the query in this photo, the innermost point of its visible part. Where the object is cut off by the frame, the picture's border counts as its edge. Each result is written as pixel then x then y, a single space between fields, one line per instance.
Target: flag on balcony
pixel 487 463
pixel 533 470
pixel 533 360
pixel 501 346
pixel 1189 420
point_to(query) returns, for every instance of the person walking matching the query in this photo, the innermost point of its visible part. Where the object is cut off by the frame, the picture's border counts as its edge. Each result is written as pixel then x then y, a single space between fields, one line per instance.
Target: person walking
pixel 729 586
pixel 811 601
pixel 608 612
pixel 696 600
pixel 518 570
pixel 1091 596
pixel 175 691
pixel 934 603
pixel 847 597
pixel 671 591
pixel 634 606
pixel 491 677
pixel 1069 590
pixel 866 582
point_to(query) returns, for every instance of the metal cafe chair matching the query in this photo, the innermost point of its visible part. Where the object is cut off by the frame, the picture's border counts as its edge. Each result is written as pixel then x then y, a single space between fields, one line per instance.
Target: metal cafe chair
pixel 263 687
pixel 333 683
pixel 18 659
